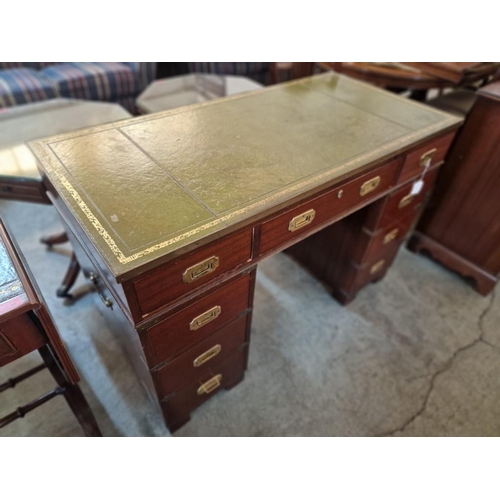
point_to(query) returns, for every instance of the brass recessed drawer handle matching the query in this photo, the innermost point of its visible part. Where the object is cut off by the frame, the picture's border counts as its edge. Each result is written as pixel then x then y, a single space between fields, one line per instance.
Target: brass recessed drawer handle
pixel 426 158
pixel 201 269
pixel 205 318
pixel 377 266
pixel 206 356
pixel 391 235
pixel 302 220
pixel 405 201
pixel 369 186
pixel 210 386
pixel 105 300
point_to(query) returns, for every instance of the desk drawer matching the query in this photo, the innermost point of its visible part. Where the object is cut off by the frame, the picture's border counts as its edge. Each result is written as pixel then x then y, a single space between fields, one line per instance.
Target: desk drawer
pixel 18 336
pixel 177 278
pixel 356 277
pixel 20 190
pixel 177 407
pixel 401 204
pixel 415 161
pixel 195 323
pixel 201 358
pixel 303 220
pixel 370 243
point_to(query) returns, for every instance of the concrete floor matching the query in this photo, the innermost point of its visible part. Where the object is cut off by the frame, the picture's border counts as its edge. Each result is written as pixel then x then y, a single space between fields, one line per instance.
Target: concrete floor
pixel 417 354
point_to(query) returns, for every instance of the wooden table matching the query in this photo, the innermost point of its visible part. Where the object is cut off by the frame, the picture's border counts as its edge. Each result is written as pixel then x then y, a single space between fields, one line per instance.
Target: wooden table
pixel 172 212
pixel 170 93
pixel 25 326
pixel 19 176
pixel 416 77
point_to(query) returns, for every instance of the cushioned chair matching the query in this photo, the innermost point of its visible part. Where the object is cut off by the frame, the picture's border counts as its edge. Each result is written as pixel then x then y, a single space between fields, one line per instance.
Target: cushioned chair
pixel 119 82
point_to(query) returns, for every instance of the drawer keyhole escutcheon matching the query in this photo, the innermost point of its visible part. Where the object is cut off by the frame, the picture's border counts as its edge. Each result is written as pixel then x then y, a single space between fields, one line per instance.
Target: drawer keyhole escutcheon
pixel 390 236
pixel 201 269
pixel 205 318
pixel 207 355
pixel 369 186
pixel 210 386
pixel 302 220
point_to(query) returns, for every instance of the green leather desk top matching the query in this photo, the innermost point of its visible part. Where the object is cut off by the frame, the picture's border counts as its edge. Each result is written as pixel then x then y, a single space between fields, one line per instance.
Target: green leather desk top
pixel 147 188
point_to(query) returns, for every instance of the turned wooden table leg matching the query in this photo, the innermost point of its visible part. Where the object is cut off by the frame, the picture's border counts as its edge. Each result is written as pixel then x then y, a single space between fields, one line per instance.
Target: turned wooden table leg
pixel 69 278
pixel 55 239
pixel 73 395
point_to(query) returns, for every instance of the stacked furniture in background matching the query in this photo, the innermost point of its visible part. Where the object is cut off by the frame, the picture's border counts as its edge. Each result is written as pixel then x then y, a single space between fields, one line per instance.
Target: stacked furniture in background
pixel 119 82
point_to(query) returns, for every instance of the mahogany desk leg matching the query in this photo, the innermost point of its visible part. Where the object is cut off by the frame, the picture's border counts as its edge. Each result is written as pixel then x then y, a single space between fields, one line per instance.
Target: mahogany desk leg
pixel 69 278
pixel 73 269
pixel 73 395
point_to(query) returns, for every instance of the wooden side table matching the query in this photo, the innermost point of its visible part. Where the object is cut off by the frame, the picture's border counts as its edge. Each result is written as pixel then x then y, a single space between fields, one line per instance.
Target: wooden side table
pixel 20 179
pixel 26 325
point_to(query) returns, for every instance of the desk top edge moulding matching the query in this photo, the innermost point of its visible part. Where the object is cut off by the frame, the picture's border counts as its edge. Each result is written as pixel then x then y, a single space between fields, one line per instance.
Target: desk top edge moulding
pixel 172 181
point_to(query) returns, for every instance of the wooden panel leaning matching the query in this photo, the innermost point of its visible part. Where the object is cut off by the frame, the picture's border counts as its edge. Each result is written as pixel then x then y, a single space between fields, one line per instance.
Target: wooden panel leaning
pixel 460 226
pixel 26 325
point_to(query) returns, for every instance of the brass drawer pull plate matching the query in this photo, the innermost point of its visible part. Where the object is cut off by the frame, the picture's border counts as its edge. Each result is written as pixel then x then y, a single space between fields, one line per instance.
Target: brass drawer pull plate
pixel 201 269
pixel 405 201
pixel 369 186
pixel 205 318
pixel 206 356
pixel 302 220
pixel 426 158
pixel 210 386
pixel 377 267
pixel 105 300
pixel 390 236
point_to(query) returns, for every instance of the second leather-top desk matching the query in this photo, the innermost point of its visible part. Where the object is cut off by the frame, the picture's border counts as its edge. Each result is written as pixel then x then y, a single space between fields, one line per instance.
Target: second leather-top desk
pixel 170 213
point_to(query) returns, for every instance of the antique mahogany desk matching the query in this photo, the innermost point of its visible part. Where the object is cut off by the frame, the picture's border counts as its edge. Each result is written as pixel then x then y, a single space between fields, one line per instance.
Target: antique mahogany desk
pixel 170 213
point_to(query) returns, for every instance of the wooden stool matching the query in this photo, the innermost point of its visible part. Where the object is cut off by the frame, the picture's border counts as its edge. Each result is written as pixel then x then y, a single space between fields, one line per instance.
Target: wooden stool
pixel 26 325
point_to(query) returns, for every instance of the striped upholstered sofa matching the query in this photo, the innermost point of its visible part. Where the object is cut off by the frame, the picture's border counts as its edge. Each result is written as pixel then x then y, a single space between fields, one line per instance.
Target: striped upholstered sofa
pixel 119 82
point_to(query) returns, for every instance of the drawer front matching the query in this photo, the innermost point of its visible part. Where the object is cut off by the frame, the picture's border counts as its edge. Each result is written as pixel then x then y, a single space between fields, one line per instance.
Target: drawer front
pixel 373 243
pixel 374 269
pixel 177 407
pixel 18 336
pixel 177 278
pixel 201 358
pixel 402 204
pixel 415 161
pixel 195 323
pixel 23 191
pixel 303 220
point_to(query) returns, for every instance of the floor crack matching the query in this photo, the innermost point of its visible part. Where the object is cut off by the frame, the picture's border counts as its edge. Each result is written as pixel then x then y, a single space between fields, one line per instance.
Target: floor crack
pixel 445 368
